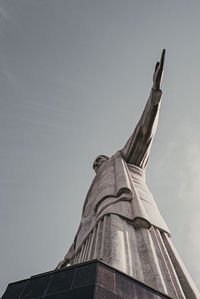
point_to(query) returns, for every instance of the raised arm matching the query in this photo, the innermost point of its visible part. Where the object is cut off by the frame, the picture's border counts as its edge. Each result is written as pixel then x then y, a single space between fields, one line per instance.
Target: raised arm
pixel 137 149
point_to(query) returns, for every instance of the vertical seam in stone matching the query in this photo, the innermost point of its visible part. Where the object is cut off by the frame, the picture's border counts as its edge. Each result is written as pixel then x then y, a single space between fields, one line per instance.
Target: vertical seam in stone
pixel 50 279
pixel 103 236
pixel 81 254
pixel 91 243
pixel 75 257
pixel 73 278
pixel 20 296
pixel 86 249
pixel 95 256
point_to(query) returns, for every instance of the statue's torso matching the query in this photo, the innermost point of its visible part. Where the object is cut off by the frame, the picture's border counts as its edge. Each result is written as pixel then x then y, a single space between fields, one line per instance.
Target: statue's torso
pixel 119 188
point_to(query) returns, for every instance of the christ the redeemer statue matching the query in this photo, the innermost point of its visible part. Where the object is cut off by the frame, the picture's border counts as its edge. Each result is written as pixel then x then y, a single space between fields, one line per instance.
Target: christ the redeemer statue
pixel 121 224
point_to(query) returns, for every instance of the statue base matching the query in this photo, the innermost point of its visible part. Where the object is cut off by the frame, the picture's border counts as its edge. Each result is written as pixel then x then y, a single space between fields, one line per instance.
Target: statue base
pixel 89 280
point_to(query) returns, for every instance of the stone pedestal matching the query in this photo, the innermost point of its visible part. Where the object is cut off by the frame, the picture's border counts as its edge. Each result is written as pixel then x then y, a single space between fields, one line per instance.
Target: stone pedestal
pixel 89 280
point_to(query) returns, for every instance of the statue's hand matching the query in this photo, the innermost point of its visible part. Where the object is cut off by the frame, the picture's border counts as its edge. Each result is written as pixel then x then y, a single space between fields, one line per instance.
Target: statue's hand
pixel 158 73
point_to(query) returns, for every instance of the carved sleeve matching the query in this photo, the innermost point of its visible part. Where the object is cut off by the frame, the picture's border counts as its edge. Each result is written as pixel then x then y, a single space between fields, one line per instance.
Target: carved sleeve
pixel 137 149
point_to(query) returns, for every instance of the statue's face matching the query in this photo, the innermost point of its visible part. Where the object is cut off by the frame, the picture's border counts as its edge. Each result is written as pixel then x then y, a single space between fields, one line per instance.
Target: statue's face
pixel 99 161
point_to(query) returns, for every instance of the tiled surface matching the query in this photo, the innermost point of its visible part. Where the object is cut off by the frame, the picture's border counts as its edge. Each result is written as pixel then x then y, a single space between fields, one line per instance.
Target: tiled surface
pixel 90 280
pixel 84 275
pixel 35 287
pixel 15 289
pixel 61 281
pixel 80 293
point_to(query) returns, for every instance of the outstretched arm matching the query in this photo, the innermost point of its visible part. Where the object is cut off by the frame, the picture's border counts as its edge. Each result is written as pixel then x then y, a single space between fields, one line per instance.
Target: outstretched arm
pixel 137 149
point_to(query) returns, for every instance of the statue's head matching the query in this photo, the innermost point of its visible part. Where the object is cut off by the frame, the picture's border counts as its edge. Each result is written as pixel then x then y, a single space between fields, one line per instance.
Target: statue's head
pixel 99 161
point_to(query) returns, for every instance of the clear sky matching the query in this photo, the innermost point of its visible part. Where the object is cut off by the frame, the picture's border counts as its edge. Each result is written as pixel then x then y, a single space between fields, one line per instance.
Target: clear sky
pixel 74 78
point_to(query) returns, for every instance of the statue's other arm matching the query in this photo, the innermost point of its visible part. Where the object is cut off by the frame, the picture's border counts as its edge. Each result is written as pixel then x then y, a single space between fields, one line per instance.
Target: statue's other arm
pixel 136 150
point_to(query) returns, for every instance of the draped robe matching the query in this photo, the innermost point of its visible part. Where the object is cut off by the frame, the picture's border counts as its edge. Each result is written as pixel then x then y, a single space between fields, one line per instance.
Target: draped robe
pixel 121 223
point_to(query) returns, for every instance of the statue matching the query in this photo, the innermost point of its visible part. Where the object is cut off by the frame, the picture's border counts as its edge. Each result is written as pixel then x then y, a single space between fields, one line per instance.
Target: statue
pixel 121 224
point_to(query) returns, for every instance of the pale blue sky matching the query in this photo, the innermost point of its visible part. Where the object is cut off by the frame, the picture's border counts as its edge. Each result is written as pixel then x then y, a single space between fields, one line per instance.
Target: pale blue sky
pixel 74 78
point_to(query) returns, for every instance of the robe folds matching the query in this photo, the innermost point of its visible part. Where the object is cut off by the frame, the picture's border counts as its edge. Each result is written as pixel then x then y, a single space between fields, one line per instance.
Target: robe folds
pixel 122 226
pixel 119 188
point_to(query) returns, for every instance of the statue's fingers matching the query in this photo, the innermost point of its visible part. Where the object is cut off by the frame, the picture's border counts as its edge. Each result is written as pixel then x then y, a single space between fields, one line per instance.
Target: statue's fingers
pixel 162 59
